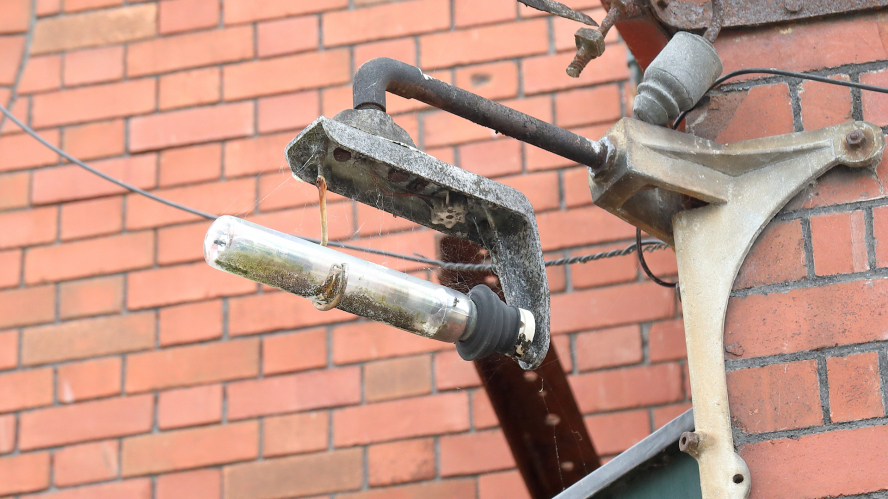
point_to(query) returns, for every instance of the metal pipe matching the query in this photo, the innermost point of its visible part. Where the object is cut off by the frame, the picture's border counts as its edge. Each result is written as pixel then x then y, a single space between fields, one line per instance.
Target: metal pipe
pixel 334 279
pixel 377 76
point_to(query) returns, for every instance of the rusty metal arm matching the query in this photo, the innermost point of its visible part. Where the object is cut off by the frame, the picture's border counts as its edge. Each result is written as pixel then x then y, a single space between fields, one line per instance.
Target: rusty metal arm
pixel 377 76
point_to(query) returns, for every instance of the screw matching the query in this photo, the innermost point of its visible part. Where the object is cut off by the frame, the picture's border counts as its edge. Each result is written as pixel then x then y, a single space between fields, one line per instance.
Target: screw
pixel 590 44
pixel 793 6
pixel 689 442
pixel 855 139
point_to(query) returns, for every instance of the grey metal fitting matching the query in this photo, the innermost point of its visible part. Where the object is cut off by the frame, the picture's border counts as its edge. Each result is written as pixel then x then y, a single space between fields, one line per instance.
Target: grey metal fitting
pixel 677 79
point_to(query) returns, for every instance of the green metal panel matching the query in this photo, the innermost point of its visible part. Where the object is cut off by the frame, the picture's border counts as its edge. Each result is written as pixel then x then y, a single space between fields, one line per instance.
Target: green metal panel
pixel 669 475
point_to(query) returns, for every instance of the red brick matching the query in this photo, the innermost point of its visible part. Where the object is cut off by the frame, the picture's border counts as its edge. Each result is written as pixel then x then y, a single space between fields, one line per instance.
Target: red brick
pixel 162 55
pixel 296 476
pixel 25 306
pixel 492 158
pixel 189 88
pixel 839 186
pixel 839 243
pixel 538 71
pixel 294 351
pixel 47 7
pixel 192 365
pixel 854 387
pixel 615 432
pixel 452 372
pixel 285 36
pixel 778 255
pixel 95 140
pixel 540 188
pixel 726 118
pixel 8 350
pixel 274 76
pixel 187 165
pixel 276 311
pixel 608 348
pixel 504 485
pixel 588 105
pixel 294 392
pixel 385 21
pixel 666 341
pixel 7 433
pixel 182 283
pixel 41 74
pixel 16 16
pixel 663 415
pixel 440 489
pixel 824 105
pixel 256 154
pixel 192 448
pixel 14 190
pixel 807 319
pixel 240 11
pixel 775 397
pixel 826 44
pixel 25 389
pixel 483 415
pixel 22 151
pixel 190 323
pixel 89 379
pixel 93 66
pixel 371 340
pixel 78 5
pixel 503 41
pixel 191 126
pixel 24 473
pixel 400 462
pixel 104 255
pixel 627 388
pixel 181 243
pixel 295 434
pixel 70 182
pixel 185 15
pixel 472 453
pixel 371 220
pixel 79 464
pixel 11 271
pixel 28 227
pixel 603 271
pixel 880 233
pixel 96 102
pixel 232 196
pixel 97 296
pixel 11 51
pixel 496 80
pixel 402 49
pixel 603 307
pixel 562 229
pixel 288 112
pixel 467 13
pixel 561 345
pixel 397 378
pixel 92 218
pixel 128 489
pixel 875 105
pixel 114 417
pixel 87 338
pixel 201 484
pixel 189 407
pixel 415 417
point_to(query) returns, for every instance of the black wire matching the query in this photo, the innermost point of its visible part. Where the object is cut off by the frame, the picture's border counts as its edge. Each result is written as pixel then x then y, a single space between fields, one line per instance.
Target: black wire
pixel 644 265
pixel 648 245
pixel 781 72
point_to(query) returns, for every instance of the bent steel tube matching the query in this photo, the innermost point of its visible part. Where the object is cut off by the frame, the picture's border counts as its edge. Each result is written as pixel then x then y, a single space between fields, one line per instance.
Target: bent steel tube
pixel 377 76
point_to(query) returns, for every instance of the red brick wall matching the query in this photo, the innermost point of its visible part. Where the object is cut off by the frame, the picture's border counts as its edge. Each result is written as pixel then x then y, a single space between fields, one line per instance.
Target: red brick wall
pixel 131 369
pixel 806 326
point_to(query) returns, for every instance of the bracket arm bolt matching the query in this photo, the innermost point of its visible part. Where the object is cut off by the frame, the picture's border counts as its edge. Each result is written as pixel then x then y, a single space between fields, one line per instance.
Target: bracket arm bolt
pixel 689 442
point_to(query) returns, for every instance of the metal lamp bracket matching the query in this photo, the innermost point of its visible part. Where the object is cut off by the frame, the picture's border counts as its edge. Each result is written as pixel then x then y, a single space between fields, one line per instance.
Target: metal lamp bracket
pixel 711 201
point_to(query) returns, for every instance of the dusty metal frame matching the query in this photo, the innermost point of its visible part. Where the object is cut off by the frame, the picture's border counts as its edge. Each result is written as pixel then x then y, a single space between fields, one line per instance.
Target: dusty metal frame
pixel 712 201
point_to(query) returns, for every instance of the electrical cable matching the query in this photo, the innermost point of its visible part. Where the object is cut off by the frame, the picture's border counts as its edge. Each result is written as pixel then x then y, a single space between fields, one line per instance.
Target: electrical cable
pixel 644 264
pixel 647 245
pixel 781 72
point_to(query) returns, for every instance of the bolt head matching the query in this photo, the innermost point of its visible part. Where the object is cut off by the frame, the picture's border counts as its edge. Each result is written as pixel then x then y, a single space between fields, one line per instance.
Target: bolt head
pixel 855 139
pixel 689 442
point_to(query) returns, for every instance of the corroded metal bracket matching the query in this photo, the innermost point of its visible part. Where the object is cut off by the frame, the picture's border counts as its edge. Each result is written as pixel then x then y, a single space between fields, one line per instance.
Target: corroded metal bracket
pixel 711 201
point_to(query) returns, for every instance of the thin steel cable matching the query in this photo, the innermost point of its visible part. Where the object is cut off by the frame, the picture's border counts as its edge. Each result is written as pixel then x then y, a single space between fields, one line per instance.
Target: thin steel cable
pixel 647 269
pixel 648 245
pixel 781 72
